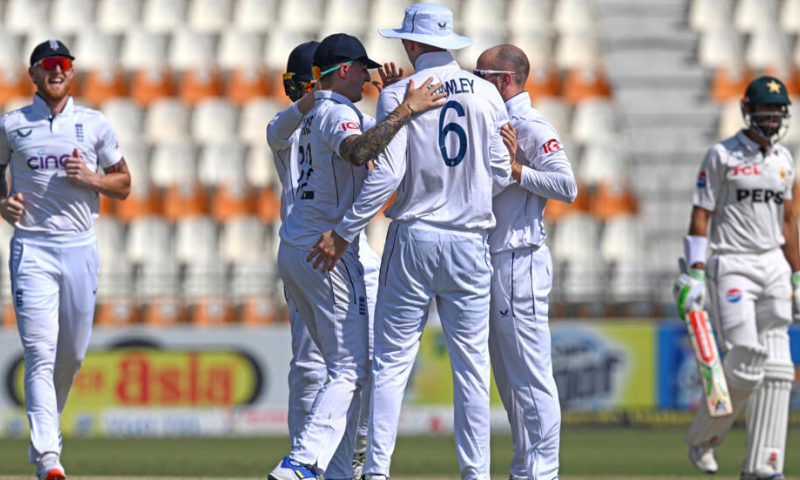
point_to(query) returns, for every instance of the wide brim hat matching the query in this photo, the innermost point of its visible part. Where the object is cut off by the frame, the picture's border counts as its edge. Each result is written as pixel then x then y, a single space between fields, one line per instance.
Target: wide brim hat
pixel 429 24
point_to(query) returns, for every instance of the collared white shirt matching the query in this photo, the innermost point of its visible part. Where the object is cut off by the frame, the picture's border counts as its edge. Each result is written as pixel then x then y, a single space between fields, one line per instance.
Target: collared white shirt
pixel 327 184
pixel 745 188
pixel 546 173
pixel 447 163
pixel 35 144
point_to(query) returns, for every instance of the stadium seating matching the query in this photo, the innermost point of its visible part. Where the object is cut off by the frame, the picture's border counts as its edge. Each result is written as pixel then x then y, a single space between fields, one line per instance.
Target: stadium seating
pixel 190 86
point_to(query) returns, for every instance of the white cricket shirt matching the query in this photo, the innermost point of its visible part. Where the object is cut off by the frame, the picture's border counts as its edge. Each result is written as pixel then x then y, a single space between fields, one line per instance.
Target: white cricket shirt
pixel 546 173
pixel 447 163
pixel 744 189
pixel 283 137
pixel 35 144
pixel 327 184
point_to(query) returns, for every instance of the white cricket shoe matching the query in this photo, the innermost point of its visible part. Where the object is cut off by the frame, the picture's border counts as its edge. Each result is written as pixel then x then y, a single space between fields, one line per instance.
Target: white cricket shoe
pixel 703 458
pixel 288 469
pixel 358 464
pixel 761 476
pixel 50 468
pixel 374 476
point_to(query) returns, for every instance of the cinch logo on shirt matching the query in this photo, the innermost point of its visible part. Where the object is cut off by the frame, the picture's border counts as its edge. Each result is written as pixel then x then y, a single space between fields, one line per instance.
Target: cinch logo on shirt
pixel 46 162
pixel 746 170
pixel 759 195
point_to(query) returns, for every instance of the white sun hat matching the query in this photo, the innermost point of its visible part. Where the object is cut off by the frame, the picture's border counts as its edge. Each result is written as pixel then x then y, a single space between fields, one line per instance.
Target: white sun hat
pixel 430 24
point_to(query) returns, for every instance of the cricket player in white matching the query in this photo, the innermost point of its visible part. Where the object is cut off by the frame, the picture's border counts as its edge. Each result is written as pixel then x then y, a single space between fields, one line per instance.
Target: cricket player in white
pixel 519 337
pixel 54 149
pixel 446 165
pixel 333 155
pixel 744 190
pixel 307 369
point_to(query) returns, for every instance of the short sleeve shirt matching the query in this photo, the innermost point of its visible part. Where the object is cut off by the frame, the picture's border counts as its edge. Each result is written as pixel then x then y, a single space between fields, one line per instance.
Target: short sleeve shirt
pixel 34 144
pixel 745 188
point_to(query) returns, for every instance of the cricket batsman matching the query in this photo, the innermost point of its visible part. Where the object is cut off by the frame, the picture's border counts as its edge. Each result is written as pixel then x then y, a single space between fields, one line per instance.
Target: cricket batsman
pixel 744 214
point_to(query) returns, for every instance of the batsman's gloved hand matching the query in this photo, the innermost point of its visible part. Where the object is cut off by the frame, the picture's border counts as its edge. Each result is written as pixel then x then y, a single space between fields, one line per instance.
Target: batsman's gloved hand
pixel 689 290
pixel 796 297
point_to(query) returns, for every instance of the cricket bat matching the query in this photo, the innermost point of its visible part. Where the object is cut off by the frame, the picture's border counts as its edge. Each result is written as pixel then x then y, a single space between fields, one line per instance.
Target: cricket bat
pixel 709 364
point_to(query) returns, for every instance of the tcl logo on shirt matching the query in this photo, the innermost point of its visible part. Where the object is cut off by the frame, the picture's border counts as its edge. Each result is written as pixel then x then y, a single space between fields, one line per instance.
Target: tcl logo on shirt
pixel 350 126
pixel 746 170
pixel 551 146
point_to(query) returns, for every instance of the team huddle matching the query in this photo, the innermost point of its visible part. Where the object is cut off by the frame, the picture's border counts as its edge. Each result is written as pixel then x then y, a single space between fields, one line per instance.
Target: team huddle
pixel 472 165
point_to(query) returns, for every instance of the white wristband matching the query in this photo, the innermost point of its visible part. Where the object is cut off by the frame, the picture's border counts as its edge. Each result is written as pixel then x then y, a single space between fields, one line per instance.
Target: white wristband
pixel 694 247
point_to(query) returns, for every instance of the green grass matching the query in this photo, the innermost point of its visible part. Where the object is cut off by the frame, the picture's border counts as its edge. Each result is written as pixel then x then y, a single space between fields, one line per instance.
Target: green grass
pixel 584 452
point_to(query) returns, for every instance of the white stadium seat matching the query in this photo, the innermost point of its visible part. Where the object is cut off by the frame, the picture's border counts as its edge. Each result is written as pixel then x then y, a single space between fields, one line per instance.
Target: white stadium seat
pixel 222 164
pixel 483 14
pixel 768 47
pixel 205 279
pixel 196 240
pixel 280 43
pixel 295 15
pixel 143 48
pixel 790 16
pixel 10 51
pixel 243 240
pixel 167 120
pixel 388 14
pixel 577 237
pixel 95 50
pixel 172 164
pixel 557 113
pixel 595 121
pixel 164 16
pixel 710 14
pixel 214 121
pixel 71 16
pixel 720 47
pixel 126 117
pixel 751 15
pixel 191 49
pixel 254 117
pixel 23 15
pixel 254 15
pixel 118 16
pixel 529 15
pixel 601 162
pixel 239 49
pixel 623 238
pixel 345 15
pixel 260 167
pixel 578 49
pixel 210 15
pixel 149 240
pixel 575 16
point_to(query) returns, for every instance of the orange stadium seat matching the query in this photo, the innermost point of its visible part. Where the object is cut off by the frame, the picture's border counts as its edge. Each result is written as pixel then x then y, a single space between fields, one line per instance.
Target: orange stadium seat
pixel 268 205
pixel 231 201
pixel 612 198
pixel 106 205
pixel 143 200
pixel 14 83
pixel 214 311
pixel 790 76
pixel 9 316
pixel 556 210
pixel 246 84
pixel 583 83
pixel 117 312
pixel 259 310
pixel 150 84
pixel 102 84
pixel 198 84
pixel 164 312
pixel 184 200
pixel 729 83
pixel 543 81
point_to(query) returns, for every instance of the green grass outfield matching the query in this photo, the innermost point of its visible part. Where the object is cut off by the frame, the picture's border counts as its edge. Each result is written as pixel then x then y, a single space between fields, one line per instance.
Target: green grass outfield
pixel 614 453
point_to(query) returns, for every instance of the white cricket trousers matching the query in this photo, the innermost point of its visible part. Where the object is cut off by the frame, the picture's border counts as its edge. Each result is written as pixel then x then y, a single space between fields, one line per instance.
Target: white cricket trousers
pixel 520 348
pixel 53 283
pixel 422 261
pixel 334 309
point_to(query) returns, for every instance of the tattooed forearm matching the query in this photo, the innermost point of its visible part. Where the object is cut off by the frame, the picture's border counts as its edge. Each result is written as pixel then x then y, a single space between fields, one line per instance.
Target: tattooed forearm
pixel 360 149
pixel 119 167
pixel 3 183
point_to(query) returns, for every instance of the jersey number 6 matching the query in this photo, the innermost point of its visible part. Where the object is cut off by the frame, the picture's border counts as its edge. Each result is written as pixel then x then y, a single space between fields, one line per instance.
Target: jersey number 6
pixel 455 128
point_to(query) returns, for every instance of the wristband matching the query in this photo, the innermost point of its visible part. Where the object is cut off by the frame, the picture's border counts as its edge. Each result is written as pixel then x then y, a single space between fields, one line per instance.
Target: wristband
pixel 694 248
pixel 408 106
pixel 795 278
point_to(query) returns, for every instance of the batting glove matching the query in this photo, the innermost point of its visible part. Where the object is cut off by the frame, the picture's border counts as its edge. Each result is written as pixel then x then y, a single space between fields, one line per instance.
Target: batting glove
pixel 796 297
pixel 690 290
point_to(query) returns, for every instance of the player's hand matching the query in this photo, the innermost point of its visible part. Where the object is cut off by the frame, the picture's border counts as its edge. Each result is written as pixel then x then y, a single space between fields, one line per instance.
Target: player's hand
pixel 389 74
pixel 77 171
pixel 796 297
pixel 329 249
pixel 12 208
pixel 509 135
pixel 689 290
pixel 425 97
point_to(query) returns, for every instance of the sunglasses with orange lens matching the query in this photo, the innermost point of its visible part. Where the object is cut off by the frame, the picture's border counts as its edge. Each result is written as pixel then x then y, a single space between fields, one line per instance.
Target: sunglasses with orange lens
pixel 49 63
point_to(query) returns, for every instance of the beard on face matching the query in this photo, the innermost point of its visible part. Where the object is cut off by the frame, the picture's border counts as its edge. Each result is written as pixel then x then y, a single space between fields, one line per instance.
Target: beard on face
pixel 54 91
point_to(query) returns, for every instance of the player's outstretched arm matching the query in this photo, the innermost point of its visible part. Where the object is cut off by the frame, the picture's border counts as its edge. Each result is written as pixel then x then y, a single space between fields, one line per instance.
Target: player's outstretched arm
pixel 359 149
pixel 116 183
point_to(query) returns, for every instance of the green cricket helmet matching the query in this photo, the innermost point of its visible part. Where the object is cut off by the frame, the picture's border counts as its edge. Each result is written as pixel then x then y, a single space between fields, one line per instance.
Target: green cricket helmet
pixel 768 95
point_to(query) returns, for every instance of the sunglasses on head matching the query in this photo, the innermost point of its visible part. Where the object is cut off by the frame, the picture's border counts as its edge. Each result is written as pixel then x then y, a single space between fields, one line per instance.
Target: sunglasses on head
pixel 49 63
pixel 483 73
